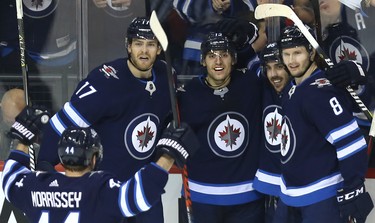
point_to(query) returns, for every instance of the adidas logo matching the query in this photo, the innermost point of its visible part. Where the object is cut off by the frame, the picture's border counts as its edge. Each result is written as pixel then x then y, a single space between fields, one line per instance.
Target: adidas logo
pixel 54 184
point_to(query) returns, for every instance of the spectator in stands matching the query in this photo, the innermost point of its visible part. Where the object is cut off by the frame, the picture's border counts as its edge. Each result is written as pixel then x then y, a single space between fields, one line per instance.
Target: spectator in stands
pixel 12 103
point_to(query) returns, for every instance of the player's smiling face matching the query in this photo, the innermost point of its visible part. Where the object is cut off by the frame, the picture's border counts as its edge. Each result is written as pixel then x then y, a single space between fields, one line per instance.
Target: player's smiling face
pixel 297 60
pixel 277 75
pixel 143 53
pixel 219 65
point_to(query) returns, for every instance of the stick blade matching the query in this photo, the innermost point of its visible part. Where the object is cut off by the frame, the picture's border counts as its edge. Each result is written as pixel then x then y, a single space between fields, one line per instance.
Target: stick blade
pixel 158 30
pixel 271 10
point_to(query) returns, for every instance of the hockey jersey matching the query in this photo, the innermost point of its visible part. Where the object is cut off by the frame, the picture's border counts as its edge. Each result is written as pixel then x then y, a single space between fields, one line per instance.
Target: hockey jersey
pixel 268 177
pixel 227 124
pixel 322 147
pixel 94 197
pixel 125 111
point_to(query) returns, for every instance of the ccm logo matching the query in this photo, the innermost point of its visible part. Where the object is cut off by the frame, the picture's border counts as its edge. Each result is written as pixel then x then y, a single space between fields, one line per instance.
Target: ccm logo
pixel 351 194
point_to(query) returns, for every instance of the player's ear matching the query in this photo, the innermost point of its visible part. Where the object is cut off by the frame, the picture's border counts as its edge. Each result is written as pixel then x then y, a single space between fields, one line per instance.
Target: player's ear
pixel 312 55
pixel 159 49
pixel 203 62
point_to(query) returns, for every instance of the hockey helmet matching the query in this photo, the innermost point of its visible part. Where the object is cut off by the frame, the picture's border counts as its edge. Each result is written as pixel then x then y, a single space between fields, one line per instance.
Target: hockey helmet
pixel 78 145
pixel 291 36
pixel 217 41
pixel 140 28
pixel 270 53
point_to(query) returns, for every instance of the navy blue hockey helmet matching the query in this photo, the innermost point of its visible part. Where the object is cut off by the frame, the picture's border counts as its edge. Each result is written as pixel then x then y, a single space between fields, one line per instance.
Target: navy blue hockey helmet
pixel 291 36
pixel 217 41
pixel 140 28
pixel 270 53
pixel 78 145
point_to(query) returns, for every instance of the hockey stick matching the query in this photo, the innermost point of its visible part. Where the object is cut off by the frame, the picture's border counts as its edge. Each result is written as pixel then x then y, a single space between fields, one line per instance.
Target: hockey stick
pixel 270 10
pixel 159 32
pixel 25 76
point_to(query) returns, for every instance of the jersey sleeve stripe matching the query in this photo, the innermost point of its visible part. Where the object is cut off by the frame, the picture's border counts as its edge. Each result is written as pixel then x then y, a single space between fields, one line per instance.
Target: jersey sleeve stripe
pixel 343 131
pixel 140 197
pixel 352 148
pixel 57 124
pixel 11 170
pixel 74 115
pixel 123 202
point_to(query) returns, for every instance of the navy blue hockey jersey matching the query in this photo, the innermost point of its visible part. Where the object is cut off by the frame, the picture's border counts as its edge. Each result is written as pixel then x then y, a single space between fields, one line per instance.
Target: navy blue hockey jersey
pixel 322 147
pixel 228 125
pixel 268 176
pixel 124 110
pixel 94 197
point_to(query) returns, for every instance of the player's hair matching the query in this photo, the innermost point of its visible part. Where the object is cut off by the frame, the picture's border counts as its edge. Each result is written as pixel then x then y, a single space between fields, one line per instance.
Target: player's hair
pixel 217 41
pixel 139 28
pixel 77 146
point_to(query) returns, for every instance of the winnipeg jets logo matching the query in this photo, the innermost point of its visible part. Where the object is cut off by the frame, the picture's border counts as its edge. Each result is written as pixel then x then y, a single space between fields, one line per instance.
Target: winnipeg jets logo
pixel 140 135
pixel 228 135
pixel 145 135
pixel 272 127
pixel 39 8
pixel 288 139
pixel 321 82
pixel 119 10
pixel 37 3
pixel 347 48
pixel 109 71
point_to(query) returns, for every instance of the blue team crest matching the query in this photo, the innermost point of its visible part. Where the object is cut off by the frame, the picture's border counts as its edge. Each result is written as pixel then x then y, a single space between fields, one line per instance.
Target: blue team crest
pixel 140 136
pixel 228 135
pixel 272 121
pixel 39 8
pixel 347 48
pixel 120 10
pixel 288 140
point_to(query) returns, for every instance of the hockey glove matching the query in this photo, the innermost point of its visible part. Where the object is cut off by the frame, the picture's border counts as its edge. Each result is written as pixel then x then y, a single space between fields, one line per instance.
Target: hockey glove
pixel 28 124
pixel 346 73
pixel 355 204
pixel 179 143
pixel 240 31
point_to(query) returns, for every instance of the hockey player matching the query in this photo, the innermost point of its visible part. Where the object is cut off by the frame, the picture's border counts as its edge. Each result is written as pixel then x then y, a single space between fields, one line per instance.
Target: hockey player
pixel 125 101
pixel 81 194
pixel 324 158
pixel 276 83
pixel 228 129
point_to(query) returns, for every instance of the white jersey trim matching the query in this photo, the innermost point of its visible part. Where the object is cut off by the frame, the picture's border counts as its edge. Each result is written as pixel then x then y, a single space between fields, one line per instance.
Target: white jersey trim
pixel 221 190
pixel 344 152
pixel 337 134
pixel 267 178
pixel 74 115
pixel 301 191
